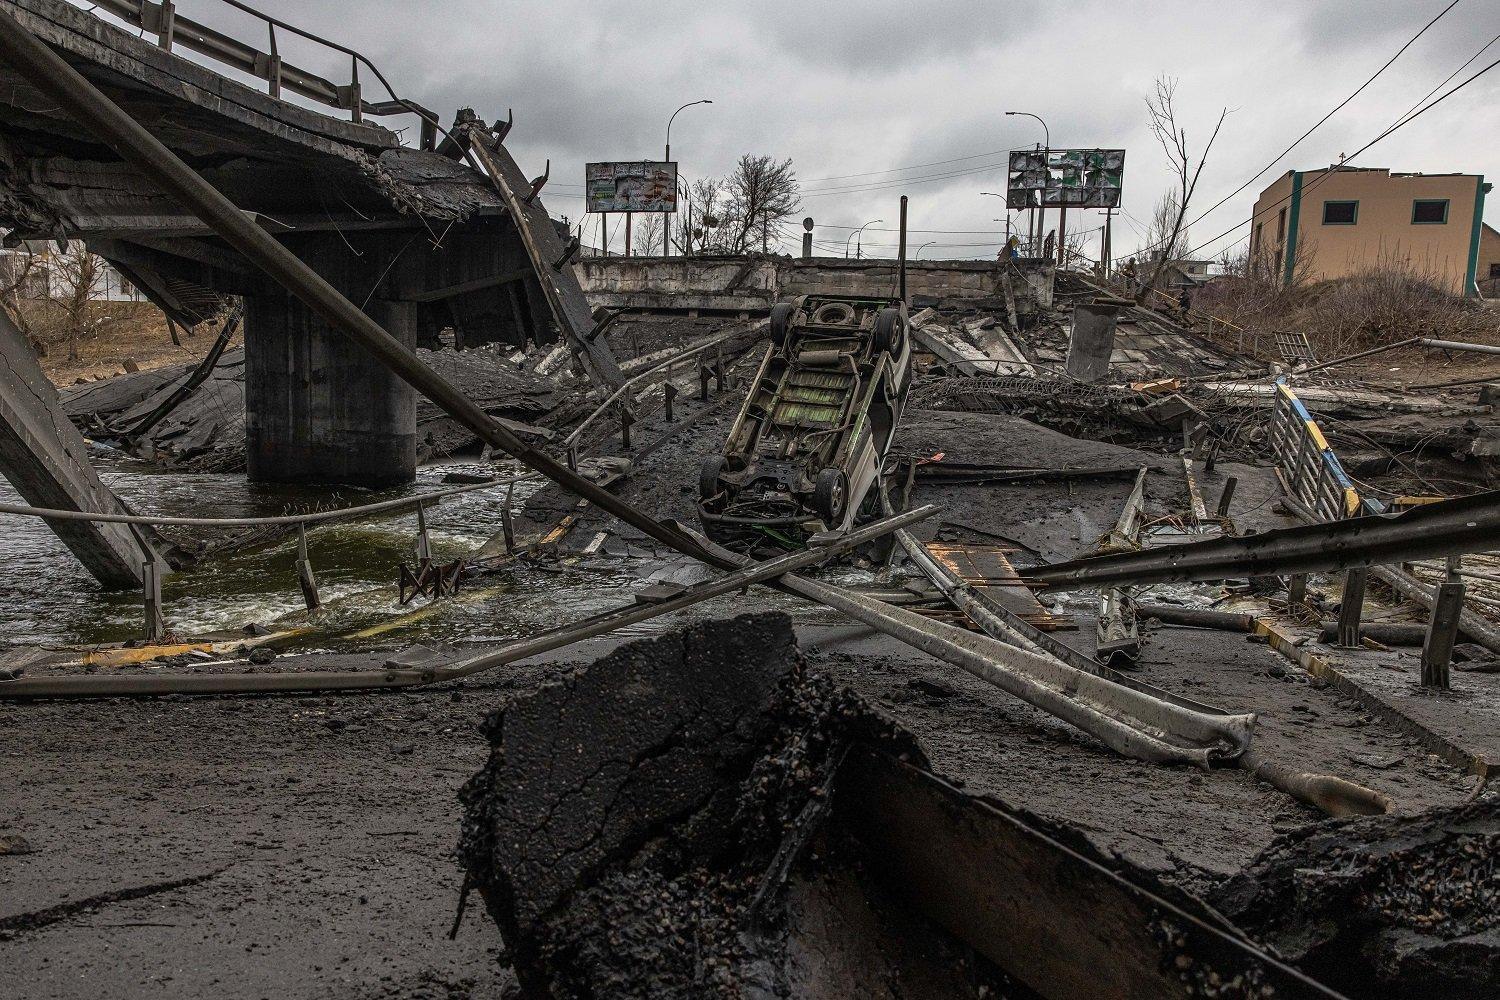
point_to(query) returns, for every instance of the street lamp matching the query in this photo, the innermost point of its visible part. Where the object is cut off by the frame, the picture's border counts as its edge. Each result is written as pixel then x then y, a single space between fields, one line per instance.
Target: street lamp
pixel 1041 218
pixel 666 217
pixel 852 235
pixel 924 246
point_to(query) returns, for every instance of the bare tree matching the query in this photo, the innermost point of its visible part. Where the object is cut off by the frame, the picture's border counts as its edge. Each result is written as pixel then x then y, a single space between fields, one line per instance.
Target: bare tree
pixel 1161 112
pixel 1160 234
pixel 763 194
pixel 698 222
pixel 648 234
pixel 20 274
pixel 80 277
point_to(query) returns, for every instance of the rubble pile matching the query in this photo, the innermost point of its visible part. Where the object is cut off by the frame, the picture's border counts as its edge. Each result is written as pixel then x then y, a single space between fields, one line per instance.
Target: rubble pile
pixel 1383 907
pixel 206 431
pixel 636 826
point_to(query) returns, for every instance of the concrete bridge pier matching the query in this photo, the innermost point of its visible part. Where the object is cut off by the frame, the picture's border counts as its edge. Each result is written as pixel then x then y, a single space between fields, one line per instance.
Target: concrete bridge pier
pixel 318 407
pixel 47 461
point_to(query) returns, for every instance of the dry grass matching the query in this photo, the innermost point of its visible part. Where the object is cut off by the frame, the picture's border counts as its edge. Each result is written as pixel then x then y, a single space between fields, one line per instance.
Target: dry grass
pixel 112 334
pixel 1384 305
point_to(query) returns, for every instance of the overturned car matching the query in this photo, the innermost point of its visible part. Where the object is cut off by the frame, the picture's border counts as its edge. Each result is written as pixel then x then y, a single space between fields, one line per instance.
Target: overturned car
pixel 807 447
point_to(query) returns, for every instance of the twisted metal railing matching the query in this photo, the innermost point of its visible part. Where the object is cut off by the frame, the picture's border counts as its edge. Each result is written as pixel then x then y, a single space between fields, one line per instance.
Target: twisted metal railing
pixel 173 30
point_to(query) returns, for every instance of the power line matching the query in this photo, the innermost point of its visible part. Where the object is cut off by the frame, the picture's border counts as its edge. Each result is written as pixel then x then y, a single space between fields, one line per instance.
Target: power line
pixel 1450 76
pixel 1277 159
pixel 914 166
pixel 934 232
pixel 921 179
pixel 1328 173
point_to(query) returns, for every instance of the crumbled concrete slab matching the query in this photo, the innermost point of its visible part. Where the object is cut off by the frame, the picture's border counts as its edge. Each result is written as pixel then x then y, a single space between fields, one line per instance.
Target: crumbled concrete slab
pixel 1383 907
pixel 636 829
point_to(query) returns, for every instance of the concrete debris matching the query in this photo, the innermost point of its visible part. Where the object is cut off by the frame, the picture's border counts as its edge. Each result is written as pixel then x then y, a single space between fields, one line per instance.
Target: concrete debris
pixel 638 827
pixel 206 433
pixel 1383 907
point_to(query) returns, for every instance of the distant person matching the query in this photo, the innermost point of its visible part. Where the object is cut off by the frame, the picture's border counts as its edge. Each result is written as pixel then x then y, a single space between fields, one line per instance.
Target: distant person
pixel 1184 302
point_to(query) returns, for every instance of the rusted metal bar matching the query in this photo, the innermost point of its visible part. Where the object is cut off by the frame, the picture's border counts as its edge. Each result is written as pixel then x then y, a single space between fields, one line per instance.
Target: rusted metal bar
pixel 1227 497
pixel 507 523
pixel 156 626
pixel 1171 614
pixel 305 577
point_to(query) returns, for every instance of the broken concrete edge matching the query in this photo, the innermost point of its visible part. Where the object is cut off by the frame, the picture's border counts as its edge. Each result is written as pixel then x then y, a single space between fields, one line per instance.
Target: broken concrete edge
pixel 1293 647
pixel 1035 896
pixel 597 786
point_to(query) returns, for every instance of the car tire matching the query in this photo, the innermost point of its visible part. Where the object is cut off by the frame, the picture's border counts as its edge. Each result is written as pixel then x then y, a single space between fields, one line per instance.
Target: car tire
pixel 708 477
pixel 781 324
pixel 831 496
pixel 888 331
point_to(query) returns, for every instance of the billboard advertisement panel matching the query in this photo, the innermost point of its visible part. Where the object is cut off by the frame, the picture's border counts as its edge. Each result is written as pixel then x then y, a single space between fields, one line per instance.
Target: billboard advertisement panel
pixel 635 186
pixel 1067 178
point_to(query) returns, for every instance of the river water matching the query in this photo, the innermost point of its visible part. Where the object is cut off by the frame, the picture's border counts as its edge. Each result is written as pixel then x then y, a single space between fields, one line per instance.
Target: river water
pixel 51 600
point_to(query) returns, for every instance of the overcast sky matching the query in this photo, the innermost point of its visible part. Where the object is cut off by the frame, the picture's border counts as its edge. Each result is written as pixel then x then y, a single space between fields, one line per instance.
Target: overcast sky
pixel 860 86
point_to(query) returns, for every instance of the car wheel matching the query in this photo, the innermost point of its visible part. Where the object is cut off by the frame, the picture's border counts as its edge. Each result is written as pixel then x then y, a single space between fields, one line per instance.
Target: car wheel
pixel 708 477
pixel 831 496
pixel 781 323
pixel 888 331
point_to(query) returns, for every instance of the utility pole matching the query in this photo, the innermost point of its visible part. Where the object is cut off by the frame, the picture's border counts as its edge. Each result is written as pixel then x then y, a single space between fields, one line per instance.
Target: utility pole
pixel 1105 249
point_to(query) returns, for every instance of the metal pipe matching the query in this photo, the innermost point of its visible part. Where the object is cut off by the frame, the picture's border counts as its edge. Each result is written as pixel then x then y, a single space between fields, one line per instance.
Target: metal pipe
pixel 1462 524
pixel 1128 721
pixel 316 517
pixel 58 80
pixel 1428 342
pixel 394 676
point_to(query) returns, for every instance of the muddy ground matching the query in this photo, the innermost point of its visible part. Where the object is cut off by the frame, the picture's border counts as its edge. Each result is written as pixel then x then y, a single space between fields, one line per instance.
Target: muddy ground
pixel 325 828
pixel 319 833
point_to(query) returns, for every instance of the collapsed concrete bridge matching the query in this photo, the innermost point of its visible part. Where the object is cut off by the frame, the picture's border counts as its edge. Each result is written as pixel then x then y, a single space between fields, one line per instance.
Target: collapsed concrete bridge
pixel 421 239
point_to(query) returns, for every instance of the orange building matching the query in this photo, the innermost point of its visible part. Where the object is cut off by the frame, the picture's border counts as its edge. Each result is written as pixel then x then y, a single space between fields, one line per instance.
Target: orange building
pixel 1343 220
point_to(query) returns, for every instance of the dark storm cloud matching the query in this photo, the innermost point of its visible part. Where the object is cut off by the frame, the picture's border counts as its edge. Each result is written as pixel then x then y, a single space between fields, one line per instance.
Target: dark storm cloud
pixel 858 87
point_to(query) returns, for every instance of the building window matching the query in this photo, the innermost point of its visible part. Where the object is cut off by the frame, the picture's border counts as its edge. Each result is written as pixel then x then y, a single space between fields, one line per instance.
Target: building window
pixel 1429 211
pixel 1495 270
pixel 1340 213
pixel 1281 226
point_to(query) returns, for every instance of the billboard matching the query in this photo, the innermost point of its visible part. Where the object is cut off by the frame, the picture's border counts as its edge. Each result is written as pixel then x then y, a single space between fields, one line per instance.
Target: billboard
pixel 637 186
pixel 1068 178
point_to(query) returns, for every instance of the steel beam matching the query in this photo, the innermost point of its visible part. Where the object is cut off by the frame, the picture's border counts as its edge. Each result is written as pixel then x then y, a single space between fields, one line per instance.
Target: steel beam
pixel 1463 524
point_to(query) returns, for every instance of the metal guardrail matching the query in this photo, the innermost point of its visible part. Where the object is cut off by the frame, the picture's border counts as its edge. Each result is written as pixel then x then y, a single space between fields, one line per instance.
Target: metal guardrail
pixel 1312 473
pixel 171 30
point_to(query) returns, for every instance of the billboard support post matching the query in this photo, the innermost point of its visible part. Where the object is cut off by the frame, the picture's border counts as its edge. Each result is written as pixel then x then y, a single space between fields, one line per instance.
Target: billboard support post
pixel 628 217
pixel 1062 236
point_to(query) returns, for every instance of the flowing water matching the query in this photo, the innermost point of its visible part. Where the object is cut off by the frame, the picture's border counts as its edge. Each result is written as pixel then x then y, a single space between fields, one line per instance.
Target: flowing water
pixel 49 599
